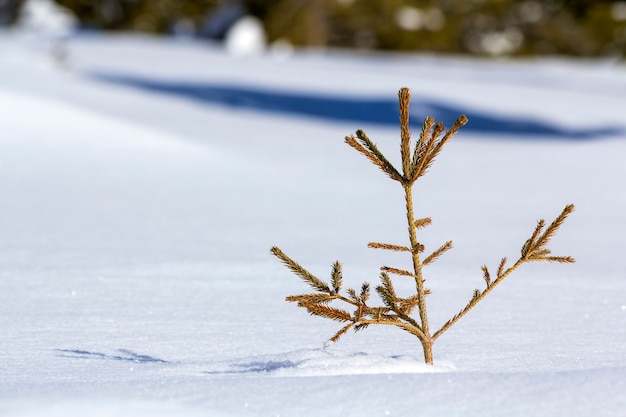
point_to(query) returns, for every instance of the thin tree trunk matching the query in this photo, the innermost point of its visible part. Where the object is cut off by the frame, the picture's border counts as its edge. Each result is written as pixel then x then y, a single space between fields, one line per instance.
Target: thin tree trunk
pixel 417 269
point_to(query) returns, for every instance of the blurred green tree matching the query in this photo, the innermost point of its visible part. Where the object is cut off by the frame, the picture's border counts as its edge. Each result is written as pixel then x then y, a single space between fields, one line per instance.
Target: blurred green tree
pixel 141 15
pixel 484 27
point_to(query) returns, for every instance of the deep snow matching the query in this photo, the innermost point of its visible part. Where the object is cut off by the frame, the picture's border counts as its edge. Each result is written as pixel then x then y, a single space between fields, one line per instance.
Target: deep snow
pixel 143 181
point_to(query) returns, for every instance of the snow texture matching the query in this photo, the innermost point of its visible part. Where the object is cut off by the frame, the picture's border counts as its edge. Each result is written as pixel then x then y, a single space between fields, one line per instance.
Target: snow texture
pixel 143 181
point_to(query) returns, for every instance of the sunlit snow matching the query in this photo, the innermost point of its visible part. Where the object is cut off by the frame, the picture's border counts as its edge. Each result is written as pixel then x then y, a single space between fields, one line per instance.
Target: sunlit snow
pixel 143 182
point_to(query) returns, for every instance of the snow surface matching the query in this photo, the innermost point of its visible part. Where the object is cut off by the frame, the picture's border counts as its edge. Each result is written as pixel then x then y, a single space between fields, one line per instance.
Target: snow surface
pixel 143 181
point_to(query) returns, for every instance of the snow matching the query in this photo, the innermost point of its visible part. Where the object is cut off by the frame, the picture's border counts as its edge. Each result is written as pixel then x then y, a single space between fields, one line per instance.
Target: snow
pixel 143 182
pixel 45 18
pixel 246 37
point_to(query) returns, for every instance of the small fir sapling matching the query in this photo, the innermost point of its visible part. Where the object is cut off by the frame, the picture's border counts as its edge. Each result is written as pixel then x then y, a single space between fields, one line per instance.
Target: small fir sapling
pixel 398 311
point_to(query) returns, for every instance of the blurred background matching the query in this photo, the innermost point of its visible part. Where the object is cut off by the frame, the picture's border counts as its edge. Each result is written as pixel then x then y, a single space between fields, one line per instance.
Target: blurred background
pixel 590 28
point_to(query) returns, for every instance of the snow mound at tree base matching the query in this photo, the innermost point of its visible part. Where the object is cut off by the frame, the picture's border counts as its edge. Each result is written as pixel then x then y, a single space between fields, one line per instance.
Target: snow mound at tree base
pixel 322 362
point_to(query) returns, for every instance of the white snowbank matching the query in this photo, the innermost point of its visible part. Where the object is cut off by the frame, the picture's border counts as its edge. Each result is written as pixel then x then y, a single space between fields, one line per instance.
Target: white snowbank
pixel 135 227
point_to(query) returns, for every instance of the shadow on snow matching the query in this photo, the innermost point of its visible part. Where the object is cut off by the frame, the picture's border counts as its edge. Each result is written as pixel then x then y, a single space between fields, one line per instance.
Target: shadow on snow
pixel 257 367
pixel 320 362
pixel 123 355
pixel 359 110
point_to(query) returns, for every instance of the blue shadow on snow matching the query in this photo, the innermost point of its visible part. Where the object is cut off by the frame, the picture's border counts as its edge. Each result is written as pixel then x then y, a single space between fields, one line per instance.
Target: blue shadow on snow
pixel 257 367
pixel 124 355
pixel 359 110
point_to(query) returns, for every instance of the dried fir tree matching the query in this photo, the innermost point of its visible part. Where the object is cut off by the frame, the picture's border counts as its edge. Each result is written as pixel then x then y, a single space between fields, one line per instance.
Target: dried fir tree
pixel 410 313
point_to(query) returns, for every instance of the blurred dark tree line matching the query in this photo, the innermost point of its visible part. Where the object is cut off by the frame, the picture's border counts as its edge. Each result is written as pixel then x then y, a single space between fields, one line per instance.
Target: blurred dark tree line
pixel 489 27
pixel 9 10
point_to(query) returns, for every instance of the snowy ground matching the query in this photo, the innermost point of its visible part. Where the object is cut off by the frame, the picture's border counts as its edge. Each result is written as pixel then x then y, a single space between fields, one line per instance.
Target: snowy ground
pixel 142 183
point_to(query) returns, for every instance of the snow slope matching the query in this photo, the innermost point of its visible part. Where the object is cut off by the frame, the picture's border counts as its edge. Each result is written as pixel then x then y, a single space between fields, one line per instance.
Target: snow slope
pixel 143 181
